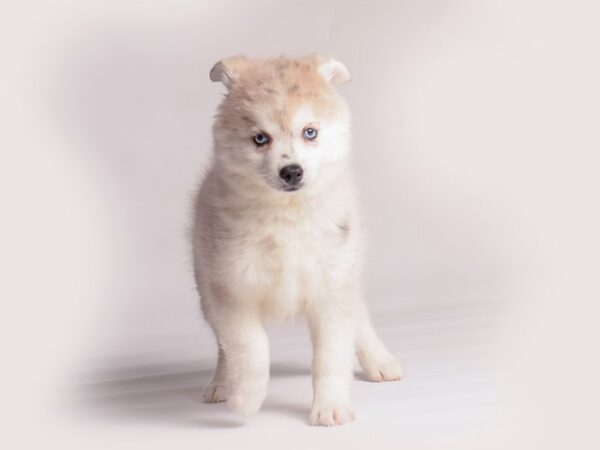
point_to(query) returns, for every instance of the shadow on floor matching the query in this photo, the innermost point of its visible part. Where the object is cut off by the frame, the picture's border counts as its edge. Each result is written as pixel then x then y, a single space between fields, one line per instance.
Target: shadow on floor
pixel 167 394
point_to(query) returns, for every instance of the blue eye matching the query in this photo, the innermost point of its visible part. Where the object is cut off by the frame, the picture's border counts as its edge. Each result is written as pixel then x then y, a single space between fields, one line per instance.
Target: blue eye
pixel 310 133
pixel 261 139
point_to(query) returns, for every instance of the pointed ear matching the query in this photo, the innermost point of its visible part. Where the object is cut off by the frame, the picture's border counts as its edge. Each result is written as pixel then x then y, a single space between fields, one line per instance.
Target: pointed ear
pixel 334 71
pixel 228 70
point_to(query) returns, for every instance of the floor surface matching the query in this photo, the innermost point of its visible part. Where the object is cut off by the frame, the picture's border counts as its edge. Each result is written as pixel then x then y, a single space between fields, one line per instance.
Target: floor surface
pixel 453 387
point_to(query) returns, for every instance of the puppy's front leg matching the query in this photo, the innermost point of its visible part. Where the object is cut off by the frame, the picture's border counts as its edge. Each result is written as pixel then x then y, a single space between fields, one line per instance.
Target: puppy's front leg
pixel 333 331
pixel 244 342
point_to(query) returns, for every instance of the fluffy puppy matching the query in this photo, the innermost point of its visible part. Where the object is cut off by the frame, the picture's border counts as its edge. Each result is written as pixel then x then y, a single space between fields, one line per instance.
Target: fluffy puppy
pixel 277 233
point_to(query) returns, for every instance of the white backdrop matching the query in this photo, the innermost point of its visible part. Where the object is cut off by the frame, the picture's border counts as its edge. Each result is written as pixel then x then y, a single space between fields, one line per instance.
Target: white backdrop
pixel 476 141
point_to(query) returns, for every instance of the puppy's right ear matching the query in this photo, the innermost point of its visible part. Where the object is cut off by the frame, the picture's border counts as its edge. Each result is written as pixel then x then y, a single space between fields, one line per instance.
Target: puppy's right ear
pixel 228 70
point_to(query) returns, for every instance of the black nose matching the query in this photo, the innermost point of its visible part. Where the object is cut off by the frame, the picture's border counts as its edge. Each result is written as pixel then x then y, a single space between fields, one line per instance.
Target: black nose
pixel 292 174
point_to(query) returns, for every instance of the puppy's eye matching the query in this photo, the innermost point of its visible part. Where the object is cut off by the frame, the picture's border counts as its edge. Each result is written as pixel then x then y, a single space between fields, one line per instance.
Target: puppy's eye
pixel 261 139
pixel 310 133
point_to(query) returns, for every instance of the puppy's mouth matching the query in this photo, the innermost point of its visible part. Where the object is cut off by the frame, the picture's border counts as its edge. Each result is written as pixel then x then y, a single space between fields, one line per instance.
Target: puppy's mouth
pixel 291 188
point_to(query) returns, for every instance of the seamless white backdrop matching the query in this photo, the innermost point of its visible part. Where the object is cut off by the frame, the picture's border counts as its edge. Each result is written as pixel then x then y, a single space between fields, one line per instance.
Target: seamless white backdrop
pixel 475 139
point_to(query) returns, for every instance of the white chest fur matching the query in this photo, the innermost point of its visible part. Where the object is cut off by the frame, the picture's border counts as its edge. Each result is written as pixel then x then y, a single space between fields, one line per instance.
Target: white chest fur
pixel 283 258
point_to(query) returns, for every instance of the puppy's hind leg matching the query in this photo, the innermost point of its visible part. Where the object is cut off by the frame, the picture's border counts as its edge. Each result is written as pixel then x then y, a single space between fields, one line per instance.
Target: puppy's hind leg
pixel 215 391
pixel 375 359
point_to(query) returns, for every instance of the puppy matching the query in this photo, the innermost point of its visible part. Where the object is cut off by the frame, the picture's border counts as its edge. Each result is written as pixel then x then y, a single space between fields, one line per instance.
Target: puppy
pixel 277 233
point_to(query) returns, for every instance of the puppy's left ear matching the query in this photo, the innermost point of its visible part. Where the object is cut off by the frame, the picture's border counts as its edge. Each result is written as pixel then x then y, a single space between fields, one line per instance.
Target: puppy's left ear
pixel 334 71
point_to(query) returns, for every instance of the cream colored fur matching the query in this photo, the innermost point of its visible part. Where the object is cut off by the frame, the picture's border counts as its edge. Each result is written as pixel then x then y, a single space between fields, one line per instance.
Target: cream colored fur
pixel 263 253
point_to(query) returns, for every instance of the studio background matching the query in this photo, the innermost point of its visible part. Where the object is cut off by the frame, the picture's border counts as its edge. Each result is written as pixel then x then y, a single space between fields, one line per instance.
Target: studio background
pixel 475 141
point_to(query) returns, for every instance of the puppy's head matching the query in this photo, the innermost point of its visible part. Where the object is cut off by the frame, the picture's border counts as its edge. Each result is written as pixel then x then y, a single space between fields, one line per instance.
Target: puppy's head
pixel 281 124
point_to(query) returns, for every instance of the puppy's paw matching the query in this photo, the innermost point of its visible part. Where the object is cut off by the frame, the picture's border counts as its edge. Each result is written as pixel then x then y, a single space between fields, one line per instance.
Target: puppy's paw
pixel 387 369
pixel 214 393
pixel 330 415
pixel 246 403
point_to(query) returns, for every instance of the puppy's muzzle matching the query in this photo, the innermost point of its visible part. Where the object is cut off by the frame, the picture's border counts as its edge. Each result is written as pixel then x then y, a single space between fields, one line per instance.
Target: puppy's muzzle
pixel 292 175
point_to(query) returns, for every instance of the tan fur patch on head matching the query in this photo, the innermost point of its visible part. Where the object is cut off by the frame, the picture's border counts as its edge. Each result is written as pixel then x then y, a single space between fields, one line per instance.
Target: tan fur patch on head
pixel 277 88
